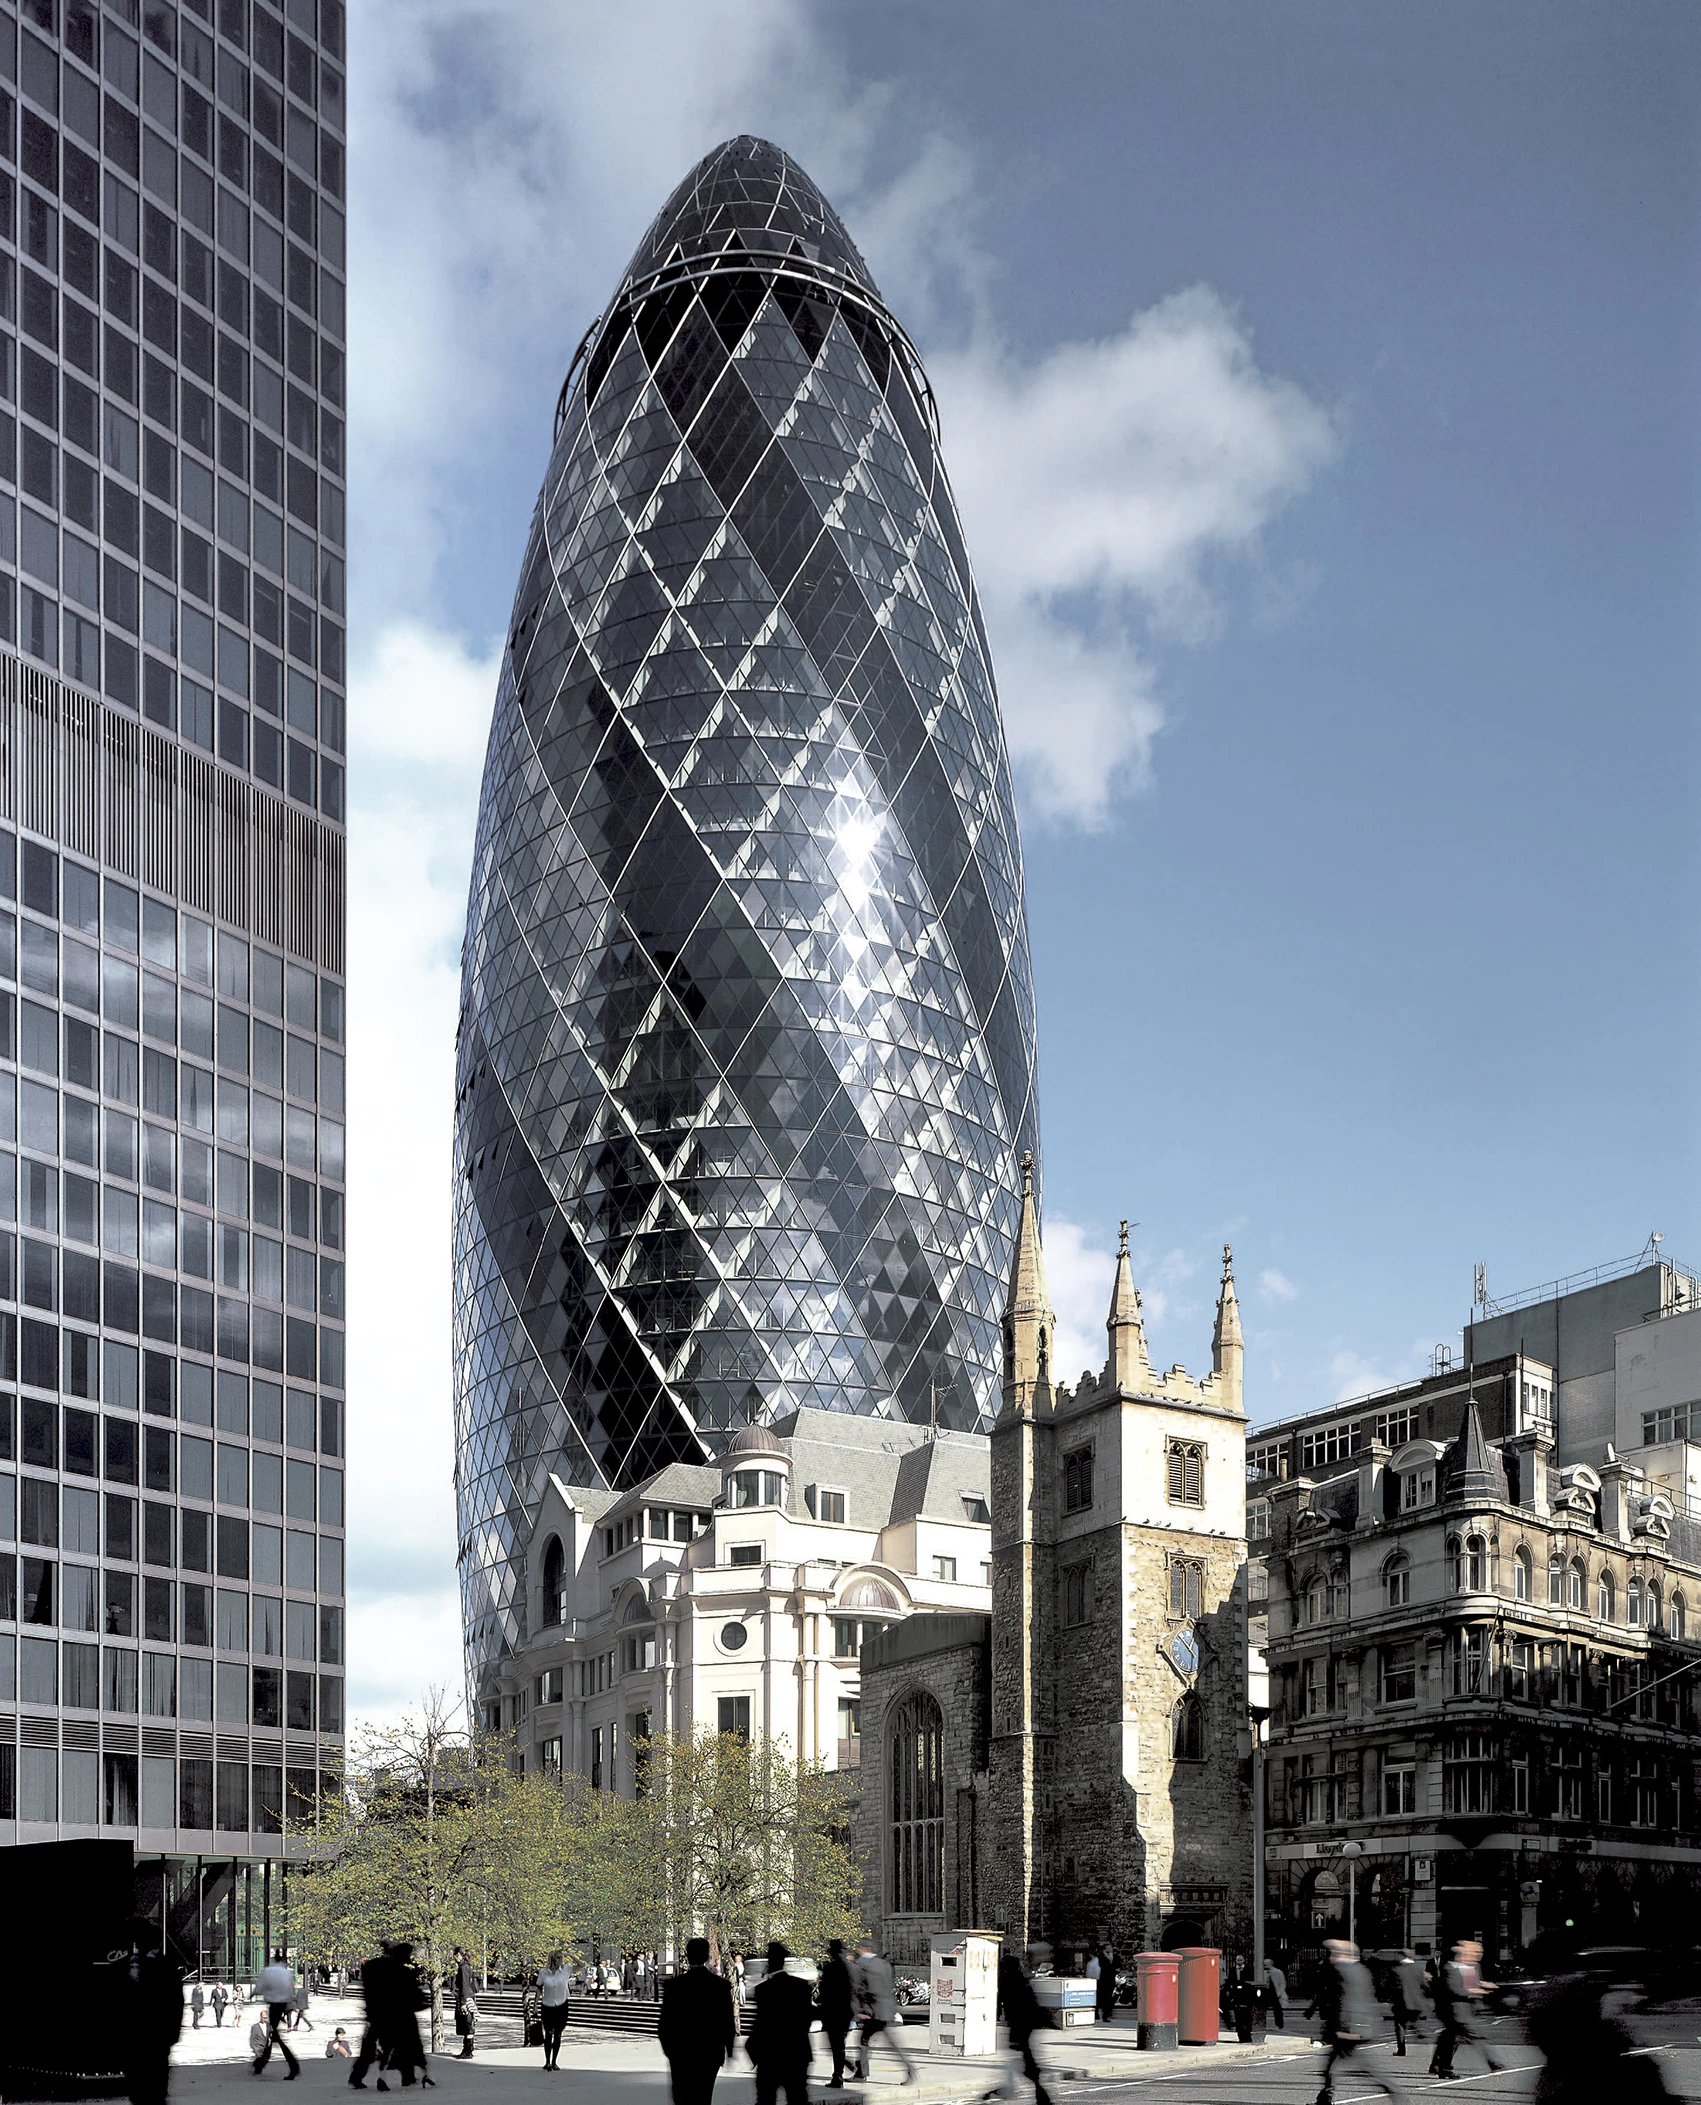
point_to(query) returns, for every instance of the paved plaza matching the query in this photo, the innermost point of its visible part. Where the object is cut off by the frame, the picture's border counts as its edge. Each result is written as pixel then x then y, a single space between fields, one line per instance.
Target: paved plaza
pixel 1099 2063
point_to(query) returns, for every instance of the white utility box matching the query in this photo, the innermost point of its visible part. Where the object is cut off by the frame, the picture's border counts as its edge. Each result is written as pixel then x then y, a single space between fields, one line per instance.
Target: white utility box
pixel 963 1987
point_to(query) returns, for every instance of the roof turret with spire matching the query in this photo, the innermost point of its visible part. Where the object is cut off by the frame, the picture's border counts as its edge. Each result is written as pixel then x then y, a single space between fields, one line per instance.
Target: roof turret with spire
pixel 1129 1364
pixel 1228 1348
pixel 1030 1328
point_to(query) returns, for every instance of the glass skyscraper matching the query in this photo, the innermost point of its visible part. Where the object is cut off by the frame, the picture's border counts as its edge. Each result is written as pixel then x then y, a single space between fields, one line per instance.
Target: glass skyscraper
pixel 172 935
pixel 746 1054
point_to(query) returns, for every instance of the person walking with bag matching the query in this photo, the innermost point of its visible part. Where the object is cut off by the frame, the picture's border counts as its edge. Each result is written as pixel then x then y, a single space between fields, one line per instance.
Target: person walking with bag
pixel 1346 2002
pixel 466 2002
pixel 698 2027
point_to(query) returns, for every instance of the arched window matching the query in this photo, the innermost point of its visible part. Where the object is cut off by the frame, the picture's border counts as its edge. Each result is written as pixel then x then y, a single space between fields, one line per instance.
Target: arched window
pixel 1576 1584
pixel 1656 1618
pixel 1522 1575
pixel 1397 1581
pixel 1677 1615
pixel 1184 1589
pixel 1633 1604
pixel 1338 1594
pixel 1476 1565
pixel 1315 1601
pixel 1606 1600
pixel 1455 1565
pixel 554 1609
pixel 1556 1582
pixel 1188 1739
pixel 916 1745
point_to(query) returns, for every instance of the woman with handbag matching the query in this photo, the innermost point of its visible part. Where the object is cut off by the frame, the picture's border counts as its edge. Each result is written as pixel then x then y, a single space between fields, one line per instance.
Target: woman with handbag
pixel 466 2006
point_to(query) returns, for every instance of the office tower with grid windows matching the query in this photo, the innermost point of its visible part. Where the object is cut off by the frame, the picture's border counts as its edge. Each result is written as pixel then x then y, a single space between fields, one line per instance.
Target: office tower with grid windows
pixel 172 927
pixel 746 1055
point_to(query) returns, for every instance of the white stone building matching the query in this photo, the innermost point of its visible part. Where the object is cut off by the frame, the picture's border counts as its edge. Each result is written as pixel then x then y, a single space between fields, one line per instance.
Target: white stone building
pixel 738 1596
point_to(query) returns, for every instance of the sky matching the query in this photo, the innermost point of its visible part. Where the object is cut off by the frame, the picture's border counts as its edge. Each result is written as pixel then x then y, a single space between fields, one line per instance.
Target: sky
pixel 1318 386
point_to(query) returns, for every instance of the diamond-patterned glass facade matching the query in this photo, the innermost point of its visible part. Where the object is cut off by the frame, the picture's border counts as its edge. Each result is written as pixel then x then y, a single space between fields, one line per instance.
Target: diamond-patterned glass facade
pixel 746 1059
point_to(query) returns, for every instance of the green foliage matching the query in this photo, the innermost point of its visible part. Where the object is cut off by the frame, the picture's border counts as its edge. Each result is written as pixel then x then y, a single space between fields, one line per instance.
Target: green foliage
pixel 435 1839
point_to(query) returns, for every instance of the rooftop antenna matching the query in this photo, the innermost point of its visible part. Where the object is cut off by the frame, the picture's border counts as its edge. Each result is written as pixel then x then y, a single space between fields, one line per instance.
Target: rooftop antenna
pixel 1479 1288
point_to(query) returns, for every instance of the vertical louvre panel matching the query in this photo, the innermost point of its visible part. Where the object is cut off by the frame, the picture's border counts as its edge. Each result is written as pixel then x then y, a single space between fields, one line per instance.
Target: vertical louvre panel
pixel 159 813
pixel 80 779
pixel 9 670
pixel 200 828
pixel 267 888
pixel 233 850
pixel 120 742
pixel 298 884
pixel 333 905
pixel 39 724
pixel 107 788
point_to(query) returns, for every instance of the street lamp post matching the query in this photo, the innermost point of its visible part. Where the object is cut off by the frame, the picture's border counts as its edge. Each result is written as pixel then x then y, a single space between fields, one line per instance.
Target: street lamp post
pixel 1352 1851
pixel 1252 1744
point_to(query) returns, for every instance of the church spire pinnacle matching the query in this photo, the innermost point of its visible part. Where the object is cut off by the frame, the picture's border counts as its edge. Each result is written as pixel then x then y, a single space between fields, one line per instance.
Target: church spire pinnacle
pixel 1124 1323
pixel 1228 1348
pixel 1029 1326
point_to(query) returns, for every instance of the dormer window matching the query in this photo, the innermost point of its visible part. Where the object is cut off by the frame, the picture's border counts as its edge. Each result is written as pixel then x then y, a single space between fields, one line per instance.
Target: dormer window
pixel 826 1504
pixel 1417 1489
pixel 976 1510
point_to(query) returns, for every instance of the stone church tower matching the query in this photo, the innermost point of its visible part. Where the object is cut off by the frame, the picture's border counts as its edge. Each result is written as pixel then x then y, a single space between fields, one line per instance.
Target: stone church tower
pixel 1114 1797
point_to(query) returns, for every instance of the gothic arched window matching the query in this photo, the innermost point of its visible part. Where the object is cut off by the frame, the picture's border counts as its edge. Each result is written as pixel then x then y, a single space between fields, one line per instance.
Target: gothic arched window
pixel 1575 1582
pixel 1605 1598
pixel 553 1572
pixel 1397 1581
pixel 1556 1582
pixel 1677 1616
pixel 916 1752
pixel 1522 1570
pixel 1476 1564
pixel 1188 1743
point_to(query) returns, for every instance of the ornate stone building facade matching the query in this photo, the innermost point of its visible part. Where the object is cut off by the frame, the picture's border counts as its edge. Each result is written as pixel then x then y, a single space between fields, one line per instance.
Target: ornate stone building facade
pixel 1069 1768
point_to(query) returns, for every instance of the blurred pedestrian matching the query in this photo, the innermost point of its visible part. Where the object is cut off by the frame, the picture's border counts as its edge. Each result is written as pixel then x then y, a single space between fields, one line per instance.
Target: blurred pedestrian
pixel 275 1987
pixel 152 1987
pixel 1023 2016
pixel 197 2003
pixel 552 1987
pixel 779 2039
pixel 1104 2007
pixel 1346 2002
pixel 698 2027
pixel 1590 2057
pixel 404 2050
pixel 303 2001
pixel 379 1989
pixel 1276 1989
pixel 1406 1996
pixel 1459 1989
pixel 877 2005
pixel 835 2004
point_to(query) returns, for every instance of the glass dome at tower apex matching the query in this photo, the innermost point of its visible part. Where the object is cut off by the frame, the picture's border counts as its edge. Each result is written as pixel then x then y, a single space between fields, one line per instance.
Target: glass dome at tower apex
pixel 746 1055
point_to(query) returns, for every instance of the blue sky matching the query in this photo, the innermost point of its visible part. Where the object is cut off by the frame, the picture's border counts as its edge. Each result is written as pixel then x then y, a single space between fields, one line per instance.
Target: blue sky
pixel 1319 385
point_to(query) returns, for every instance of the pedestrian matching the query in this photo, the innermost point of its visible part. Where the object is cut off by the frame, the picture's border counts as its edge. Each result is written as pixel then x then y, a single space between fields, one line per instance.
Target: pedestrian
pixel 698 2027
pixel 337 2046
pixel 1589 2056
pixel 835 2000
pixel 197 2003
pixel 1406 1997
pixel 152 1990
pixel 877 2006
pixel 779 2039
pixel 219 1999
pixel 404 2050
pixel 1276 1993
pixel 1023 2016
pixel 275 1987
pixel 552 1986
pixel 1346 2002
pixel 378 1991
pixel 466 2002
pixel 1459 1988
pixel 1104 2007
pixel 303 1999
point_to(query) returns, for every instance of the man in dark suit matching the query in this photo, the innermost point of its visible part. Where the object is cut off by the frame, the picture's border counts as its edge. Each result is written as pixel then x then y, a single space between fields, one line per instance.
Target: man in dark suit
pixel 779 2039
pixel 835 2000
pixel 697 2028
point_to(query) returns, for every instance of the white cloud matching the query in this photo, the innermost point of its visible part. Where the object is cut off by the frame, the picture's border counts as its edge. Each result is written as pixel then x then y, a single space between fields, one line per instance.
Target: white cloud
pixel 1079 1270
pixel 1352 1374
pixel 1096 485
pixel 1277 1286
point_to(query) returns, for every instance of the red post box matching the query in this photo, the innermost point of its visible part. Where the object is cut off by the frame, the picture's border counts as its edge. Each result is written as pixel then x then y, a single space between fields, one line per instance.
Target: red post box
pixel 1200 1993
pixel 1158 1974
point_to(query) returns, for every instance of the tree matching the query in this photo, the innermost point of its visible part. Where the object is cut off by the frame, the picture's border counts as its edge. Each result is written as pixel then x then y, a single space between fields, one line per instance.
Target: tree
pixel 726 1838
pixel 434 1838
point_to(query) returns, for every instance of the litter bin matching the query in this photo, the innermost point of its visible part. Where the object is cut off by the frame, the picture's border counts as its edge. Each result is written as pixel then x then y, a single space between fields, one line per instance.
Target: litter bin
pixel 1158 1975
pixel 1199 2009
